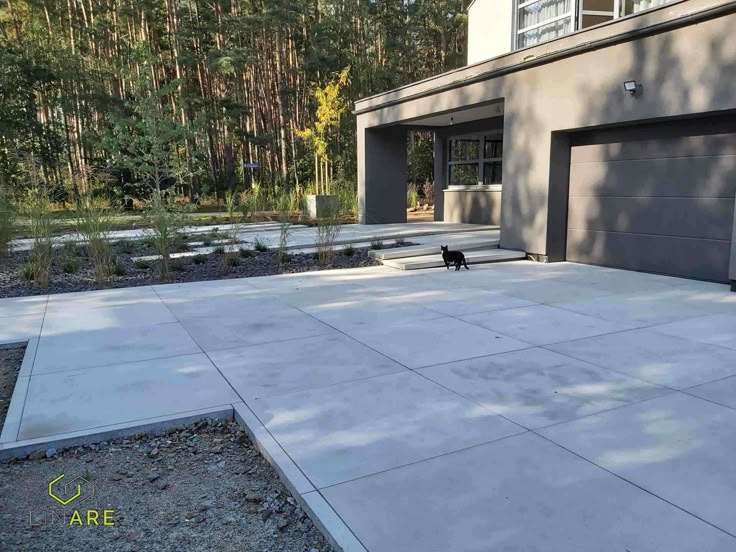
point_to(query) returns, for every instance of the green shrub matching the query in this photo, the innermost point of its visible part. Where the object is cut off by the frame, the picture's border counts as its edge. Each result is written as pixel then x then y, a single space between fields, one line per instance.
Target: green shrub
pixel 118 268
pixel 179 264
pixel 126 246
pixel 70 264
pixel 245 253
pixel 43 225
pixel 219 250
pixel 328 229
pixel 182 247
pixel 349 250
pixel 400 241
pixel 71 249
pixel 165 220
pixel 376 243
pixel 259 245
pixel 232 260
pixel 207 242
pixel 283 257
pixel 7 223
pixel 412 196
pixel 94 223
pixel 199 259
pixel 140 264
pixel 231 206
pixel 26 271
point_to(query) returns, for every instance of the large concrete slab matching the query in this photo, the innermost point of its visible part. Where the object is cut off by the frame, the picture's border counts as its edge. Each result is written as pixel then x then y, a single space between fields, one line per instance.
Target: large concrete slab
pixel 722 391
pixel 23 306
pixel 224 306
pixel 15 329
pixel 521 494
pixel 190 290
pixel 427 342
pixel 370 312
pixel 86 349
pixel 654 357
pixel 640 309
pixel 459 301
pixel 353 429
pixel 537 387
pixel 716 329
pixel 271 369
pixel 102 298
pixel 677 446
pixel 97 397
pixel 70 321
pixel 542 324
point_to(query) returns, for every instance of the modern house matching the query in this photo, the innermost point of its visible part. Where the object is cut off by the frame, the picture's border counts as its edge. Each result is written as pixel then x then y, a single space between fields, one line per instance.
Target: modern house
pixel 595 131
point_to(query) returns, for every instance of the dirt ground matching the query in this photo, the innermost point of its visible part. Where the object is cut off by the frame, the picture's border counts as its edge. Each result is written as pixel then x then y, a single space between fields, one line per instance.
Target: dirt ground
pixel 200 488
pixel 10 362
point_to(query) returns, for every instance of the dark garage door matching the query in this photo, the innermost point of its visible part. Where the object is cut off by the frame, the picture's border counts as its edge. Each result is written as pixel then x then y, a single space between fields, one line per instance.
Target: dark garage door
pixel 658 198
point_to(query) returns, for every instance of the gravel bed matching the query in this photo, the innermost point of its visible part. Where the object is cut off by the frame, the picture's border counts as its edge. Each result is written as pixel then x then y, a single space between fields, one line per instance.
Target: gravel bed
pixel 10 362
pixel 200 488
pixel 212 267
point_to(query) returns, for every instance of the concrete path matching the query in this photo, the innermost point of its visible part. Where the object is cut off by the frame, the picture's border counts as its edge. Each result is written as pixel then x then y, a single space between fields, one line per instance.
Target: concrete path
pixel 515 406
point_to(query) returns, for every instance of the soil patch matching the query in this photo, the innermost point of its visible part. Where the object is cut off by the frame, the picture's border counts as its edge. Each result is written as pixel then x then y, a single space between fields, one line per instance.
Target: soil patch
pixel 201 488
pixel 10 362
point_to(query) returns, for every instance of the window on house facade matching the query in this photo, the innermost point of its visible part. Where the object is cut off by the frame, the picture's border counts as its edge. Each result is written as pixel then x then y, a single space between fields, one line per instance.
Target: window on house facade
pixel 541 20
pixel 475 160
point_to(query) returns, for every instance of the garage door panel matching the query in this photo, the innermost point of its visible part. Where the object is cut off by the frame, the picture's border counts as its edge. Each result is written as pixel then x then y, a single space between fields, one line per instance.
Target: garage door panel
pixel 690 258
pixel 684 177
pixel 685 146
pixel 683 217
pixel 656 197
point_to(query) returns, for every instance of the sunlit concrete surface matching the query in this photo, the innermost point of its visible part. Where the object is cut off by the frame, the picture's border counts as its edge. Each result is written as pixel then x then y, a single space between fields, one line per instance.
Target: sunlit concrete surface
pixel 517 406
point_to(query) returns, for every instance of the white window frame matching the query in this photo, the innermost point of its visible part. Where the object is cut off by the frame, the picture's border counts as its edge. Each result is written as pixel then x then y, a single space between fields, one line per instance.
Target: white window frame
pixel 519 32
pixel 575 14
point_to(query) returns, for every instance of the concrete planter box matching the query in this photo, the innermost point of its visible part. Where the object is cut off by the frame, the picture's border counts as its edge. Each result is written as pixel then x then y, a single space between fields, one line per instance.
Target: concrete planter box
pixel 319 206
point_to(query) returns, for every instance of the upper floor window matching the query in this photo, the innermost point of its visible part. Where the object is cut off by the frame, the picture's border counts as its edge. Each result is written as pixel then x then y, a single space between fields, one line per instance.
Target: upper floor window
pixel 541 20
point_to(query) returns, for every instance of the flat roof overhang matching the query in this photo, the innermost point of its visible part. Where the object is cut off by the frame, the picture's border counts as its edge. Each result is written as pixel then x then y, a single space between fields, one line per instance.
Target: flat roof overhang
pixel 655 21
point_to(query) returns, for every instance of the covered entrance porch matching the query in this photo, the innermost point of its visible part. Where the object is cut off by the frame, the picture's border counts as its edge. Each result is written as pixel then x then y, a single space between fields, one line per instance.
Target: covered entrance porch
pixel 468 166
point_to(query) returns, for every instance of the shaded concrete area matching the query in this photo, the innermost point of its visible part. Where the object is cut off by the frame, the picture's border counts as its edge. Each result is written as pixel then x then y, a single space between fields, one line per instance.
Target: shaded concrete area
pixel 516 406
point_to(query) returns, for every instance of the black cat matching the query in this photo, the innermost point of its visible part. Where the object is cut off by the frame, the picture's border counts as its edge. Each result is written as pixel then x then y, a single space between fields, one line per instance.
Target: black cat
pixel 453 257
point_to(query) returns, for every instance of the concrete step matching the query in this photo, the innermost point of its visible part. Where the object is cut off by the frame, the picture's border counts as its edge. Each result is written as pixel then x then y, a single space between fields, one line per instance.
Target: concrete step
pixel 467 244
pixel 493 255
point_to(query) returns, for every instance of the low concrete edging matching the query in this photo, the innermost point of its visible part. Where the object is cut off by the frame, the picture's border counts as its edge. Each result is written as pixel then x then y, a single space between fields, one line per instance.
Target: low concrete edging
pixel 310 500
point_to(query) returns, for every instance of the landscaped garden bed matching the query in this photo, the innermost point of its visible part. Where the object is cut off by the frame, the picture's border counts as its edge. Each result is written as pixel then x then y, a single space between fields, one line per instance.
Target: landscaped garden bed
pixel 200 488
pixel 72 270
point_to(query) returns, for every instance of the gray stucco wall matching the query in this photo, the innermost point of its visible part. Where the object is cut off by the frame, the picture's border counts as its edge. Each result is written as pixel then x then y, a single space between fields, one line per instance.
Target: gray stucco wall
pixel 472 206
pixel 566 85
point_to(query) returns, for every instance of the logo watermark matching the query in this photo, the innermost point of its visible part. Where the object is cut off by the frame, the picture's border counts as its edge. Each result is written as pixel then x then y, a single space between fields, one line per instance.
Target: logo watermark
pixel 71 494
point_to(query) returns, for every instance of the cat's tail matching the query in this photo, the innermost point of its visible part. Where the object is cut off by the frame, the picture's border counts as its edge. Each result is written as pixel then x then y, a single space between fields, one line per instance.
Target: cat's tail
pixel 465 263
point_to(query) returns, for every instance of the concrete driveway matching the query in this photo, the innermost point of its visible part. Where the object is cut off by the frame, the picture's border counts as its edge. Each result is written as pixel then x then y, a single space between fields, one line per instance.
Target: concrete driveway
pixel 516 406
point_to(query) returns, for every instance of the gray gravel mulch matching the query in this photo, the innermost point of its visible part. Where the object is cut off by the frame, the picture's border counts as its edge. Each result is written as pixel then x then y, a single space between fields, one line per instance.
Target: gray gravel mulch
pixel 10 362
pixel 200 488
pixel 187 270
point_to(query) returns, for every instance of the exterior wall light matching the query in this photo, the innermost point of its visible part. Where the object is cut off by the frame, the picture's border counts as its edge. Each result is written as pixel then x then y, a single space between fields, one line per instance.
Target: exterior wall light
pixel 632 87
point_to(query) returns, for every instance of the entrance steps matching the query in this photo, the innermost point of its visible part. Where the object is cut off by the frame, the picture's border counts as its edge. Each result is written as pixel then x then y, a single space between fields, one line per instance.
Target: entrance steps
pixel 460 243
pixel 473 256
